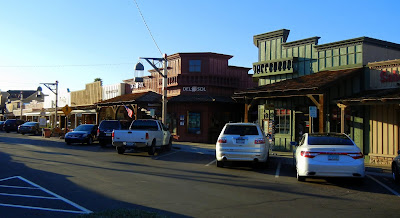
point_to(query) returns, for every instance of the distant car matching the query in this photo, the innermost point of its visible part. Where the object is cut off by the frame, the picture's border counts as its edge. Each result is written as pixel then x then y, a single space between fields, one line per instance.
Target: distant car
pixel 242 142
pixel 85 133
pixel 29 127
pixel 106 127
pixel 12 125
pixel 328 155
pixel 2 125
pixel 396 168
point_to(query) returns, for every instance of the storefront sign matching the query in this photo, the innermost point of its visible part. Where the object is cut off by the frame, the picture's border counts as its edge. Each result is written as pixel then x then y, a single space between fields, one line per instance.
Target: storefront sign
pixel 275 67
pixel 137 85
pixel 194 89
pixel 389 77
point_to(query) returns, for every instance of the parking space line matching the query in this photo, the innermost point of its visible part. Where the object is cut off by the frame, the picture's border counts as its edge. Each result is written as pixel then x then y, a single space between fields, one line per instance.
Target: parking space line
pixel 54 196
pixel 21 187
pixel 383 185
pixel 28 196
pixel 278 170
pixel 158 157
pixel 212 162
pixel 42 208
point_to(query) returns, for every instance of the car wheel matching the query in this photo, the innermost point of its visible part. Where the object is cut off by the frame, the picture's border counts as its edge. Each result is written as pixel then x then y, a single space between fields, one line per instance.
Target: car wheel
pixel 300 178
pixel 152 149
pixel 395 173
pixel 90 141
pixel 68 143
pixel 220 163
pixel 120 150
pixel 23 133
pixel 36 132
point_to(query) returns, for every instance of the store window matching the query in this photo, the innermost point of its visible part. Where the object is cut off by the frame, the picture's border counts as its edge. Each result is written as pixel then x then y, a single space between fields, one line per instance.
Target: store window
pixel 282 121
pixel 194 65
pixel 194 123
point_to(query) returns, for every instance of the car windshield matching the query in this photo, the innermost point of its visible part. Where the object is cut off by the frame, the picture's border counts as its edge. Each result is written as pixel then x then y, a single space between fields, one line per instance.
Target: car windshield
pixel 241 130
pixel 29 124
pixel 109 125
pixel 144 125
pixel 84 128
pixel 329 140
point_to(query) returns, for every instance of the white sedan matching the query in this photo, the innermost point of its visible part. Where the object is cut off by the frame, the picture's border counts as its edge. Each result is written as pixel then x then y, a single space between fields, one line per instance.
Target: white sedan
pixel 328 155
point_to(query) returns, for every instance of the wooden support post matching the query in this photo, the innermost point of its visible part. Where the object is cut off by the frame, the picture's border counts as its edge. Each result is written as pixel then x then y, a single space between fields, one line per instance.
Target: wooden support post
pixel 342 107
pixel 246 113
pixel 320 106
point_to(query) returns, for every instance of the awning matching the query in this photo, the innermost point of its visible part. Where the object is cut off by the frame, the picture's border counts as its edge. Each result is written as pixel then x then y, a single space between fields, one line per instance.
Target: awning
pixel 372 97
pixel 201 98
pixel 91 111
pixel 315 83
pixel 132 98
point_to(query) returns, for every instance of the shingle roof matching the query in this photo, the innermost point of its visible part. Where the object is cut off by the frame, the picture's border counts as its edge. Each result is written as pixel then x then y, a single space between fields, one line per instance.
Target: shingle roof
pixel 201 98
pixel 374 95
pixel 131 98
pixel 315 81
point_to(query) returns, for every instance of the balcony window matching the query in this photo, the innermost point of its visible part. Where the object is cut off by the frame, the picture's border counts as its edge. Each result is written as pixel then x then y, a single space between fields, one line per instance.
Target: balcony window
pixel 194 65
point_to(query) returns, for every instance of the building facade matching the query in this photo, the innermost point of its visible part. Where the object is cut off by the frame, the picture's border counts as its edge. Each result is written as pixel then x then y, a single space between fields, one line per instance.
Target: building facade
pixel 200 89
pixel 294 76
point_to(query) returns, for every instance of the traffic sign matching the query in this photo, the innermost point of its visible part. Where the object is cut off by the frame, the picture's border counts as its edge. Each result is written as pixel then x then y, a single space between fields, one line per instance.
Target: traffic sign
pixel 313 111
pixel 66 109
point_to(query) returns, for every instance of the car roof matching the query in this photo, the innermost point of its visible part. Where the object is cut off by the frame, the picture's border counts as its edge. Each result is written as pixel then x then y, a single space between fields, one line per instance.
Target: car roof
pixel 330 134
pixel 246 124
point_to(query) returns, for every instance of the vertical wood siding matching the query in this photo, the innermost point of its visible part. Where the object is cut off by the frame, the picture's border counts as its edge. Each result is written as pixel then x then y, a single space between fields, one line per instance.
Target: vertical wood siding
pixel 384 131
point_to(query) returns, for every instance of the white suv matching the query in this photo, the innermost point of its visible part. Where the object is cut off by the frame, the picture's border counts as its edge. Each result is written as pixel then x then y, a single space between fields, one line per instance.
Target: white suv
pixel 242 142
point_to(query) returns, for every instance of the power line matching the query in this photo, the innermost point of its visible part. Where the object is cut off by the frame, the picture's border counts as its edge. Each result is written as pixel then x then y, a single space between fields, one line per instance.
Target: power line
pixel 66 65
pixel 144 21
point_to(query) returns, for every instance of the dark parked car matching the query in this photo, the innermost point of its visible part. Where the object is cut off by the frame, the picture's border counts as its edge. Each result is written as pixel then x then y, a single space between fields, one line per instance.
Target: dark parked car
pixel 12 125
pixel 85 133
pixel 106 128
pixel 2 125
pixel 396 168
pixel 29 127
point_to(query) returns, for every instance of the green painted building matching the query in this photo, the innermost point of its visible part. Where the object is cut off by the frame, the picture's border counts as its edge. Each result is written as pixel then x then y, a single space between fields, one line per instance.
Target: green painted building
pixel 292 76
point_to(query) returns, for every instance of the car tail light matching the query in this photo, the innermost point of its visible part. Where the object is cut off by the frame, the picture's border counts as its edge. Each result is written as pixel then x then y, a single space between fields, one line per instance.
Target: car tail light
pixel 309 154
pixel 358 155
pixel 147 135
pixel 222 140
pixel 98 132
pixel 259 141
pixel 112 135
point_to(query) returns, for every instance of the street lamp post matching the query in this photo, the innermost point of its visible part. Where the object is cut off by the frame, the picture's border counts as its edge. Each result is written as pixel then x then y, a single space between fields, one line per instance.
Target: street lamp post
pixel 20 104
pixel 53 88
pixel 140 67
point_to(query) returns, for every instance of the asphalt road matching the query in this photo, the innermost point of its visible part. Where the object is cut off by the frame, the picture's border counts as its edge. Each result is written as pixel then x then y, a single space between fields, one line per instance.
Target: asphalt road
pixel 47 178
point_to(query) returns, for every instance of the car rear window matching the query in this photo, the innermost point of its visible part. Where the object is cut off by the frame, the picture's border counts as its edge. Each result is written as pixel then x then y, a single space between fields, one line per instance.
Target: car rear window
pixel 329 140
pixel 29 124
pixel 241 130
pixel 109 125
pixel 144 125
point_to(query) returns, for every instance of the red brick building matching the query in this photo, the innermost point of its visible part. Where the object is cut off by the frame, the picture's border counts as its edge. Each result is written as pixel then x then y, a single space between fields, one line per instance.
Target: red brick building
pixel 200 86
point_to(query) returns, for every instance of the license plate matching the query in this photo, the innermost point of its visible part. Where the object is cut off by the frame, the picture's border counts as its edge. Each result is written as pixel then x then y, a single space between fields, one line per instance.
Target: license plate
pixel 333 157
pixel 108 134
pixel 240 141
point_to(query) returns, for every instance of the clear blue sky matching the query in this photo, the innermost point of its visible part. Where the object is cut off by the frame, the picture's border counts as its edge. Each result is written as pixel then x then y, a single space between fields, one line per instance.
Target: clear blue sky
pixel 76 41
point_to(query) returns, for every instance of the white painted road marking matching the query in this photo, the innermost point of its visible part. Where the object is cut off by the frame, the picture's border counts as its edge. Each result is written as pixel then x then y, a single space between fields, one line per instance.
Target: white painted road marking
pixel 212 162
pixel 278 170
pixel 82 210
pixel 383 185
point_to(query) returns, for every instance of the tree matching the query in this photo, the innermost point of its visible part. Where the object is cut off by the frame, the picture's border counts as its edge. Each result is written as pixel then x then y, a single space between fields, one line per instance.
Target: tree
pixel 99 79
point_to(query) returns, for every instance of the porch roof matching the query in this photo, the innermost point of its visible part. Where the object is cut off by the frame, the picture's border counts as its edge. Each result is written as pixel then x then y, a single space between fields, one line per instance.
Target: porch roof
pixel 379 96
pixel 314 83
pixel 146 97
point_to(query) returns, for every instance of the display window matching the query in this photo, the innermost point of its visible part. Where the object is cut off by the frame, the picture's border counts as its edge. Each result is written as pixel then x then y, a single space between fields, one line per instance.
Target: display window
pixel 194 123
pixel 282 121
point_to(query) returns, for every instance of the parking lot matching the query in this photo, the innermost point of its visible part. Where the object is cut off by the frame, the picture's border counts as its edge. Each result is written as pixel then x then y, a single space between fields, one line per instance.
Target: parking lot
pixel 46 177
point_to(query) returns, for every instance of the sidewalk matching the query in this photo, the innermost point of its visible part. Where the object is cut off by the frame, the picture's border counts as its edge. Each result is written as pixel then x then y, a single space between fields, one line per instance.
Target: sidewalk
pixel 205 148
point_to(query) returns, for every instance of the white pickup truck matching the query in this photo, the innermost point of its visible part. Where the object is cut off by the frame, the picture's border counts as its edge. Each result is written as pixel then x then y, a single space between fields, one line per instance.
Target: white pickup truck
pixel 143 135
